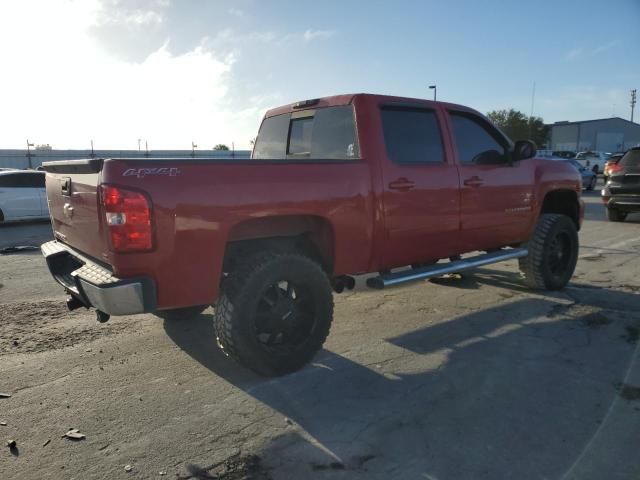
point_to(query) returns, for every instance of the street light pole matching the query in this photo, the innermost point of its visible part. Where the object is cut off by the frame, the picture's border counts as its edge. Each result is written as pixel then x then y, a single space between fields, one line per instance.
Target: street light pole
pixel 435 89
pixel 633 102
pixel 29 154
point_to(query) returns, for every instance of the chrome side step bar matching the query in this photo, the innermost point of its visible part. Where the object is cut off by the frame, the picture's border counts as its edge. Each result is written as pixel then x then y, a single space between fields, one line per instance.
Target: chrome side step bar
pixel 436 270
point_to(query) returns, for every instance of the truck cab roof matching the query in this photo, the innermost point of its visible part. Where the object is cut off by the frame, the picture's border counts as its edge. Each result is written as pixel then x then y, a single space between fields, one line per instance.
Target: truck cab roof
pixel 348 98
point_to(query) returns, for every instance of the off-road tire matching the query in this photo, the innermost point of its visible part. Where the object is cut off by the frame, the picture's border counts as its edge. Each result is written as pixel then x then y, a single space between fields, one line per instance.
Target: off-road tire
pixel 177 314
pixel 614 215
pixel 235 311
pixel 537 266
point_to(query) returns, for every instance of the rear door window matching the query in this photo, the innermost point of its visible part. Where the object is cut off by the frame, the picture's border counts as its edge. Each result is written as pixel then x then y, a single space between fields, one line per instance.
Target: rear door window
pixel 412 136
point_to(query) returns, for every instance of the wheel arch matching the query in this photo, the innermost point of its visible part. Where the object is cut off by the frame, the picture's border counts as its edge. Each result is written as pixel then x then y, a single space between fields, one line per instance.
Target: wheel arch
pixel 563 201
pixel 311 235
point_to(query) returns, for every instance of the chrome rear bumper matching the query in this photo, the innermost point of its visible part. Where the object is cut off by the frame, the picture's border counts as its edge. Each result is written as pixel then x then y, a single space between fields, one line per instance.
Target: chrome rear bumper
pixel 96 286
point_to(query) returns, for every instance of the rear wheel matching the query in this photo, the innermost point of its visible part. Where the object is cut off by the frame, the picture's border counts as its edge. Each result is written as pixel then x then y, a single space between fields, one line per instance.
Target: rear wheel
pixel 274 312
pixel 553 253
pixel 176 314
pixel 614 215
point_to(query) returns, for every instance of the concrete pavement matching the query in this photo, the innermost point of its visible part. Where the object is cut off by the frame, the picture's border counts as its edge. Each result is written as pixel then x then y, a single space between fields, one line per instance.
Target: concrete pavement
pixel 479 378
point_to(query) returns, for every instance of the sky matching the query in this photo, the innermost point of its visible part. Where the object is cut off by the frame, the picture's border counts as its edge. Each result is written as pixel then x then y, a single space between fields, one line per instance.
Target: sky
pixel 175 72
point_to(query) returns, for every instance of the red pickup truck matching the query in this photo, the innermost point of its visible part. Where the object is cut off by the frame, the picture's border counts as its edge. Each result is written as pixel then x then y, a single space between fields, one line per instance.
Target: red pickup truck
pixel 336 186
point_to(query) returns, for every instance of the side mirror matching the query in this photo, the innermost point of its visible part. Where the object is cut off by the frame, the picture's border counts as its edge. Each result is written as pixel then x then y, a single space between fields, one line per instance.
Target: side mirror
pixel 524 149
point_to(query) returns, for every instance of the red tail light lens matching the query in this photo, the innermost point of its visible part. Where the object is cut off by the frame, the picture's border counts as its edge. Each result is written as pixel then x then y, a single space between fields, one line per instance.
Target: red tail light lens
pixel 614 168
pixel 128 218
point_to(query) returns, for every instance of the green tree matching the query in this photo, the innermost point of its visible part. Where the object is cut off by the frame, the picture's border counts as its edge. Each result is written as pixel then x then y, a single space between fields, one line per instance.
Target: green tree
pixel 519 126
pixel 221 146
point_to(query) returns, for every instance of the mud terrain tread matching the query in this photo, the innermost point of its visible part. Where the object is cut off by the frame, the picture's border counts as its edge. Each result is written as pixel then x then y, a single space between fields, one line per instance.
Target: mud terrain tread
pixel 532 265
pixel 236 292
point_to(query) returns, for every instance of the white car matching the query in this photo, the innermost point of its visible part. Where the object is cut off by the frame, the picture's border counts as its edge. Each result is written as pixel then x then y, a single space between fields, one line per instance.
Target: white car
pixel 594 161
pixel 22 195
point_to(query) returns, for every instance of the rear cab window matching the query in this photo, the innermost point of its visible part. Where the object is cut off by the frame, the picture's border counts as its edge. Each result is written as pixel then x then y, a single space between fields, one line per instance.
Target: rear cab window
pixel 320 134
pixel 631 159
pixel 22 180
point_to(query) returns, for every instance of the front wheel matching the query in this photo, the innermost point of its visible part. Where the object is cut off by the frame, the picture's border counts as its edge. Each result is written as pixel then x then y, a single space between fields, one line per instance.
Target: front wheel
pixel 553 253
pixel 614 215
pixel 274 312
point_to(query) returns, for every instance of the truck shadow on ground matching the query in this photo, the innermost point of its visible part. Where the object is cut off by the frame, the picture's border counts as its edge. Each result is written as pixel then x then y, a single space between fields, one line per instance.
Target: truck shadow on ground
pixel 514 391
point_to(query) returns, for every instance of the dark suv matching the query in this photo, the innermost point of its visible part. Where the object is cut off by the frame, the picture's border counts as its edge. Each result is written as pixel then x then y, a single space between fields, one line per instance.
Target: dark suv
pixel 621 194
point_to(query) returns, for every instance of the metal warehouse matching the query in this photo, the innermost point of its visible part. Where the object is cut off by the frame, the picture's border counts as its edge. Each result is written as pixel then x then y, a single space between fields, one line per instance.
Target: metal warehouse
pixel 604 135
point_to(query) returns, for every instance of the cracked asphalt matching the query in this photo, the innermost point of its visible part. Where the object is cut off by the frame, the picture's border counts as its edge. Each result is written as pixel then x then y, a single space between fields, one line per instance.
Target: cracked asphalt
pixel 465 379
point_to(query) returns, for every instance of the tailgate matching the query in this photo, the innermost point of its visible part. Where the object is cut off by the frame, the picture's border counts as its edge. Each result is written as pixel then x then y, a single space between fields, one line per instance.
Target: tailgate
pixel 72 195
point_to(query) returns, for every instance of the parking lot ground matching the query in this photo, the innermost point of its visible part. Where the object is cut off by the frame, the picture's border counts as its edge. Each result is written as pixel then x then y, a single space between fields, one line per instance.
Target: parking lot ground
pixel 475 378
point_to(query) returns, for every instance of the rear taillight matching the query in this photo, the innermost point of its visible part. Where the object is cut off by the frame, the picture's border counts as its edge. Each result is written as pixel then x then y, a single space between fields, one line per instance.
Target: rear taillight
pixel 614 168
pixel 128 219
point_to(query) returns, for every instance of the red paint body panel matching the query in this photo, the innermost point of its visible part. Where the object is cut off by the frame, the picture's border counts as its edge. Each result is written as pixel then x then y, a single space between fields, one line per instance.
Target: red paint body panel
pixel 365 225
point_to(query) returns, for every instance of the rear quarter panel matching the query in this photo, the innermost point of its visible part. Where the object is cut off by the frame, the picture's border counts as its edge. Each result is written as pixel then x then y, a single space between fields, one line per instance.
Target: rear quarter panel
pixel 195 211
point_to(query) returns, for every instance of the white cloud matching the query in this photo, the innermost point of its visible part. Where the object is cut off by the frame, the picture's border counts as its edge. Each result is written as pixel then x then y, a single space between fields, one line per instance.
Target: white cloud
pixel 64 89
pixel 137 18
pixel 605 47
pixel 573 54
pixel 309 35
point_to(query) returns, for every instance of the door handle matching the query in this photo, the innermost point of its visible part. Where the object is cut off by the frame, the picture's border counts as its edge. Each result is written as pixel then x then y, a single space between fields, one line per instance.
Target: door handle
pixel 474 181
pixel 402 184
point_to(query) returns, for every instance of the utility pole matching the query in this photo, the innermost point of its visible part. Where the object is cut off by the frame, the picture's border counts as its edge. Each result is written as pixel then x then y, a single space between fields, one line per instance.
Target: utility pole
pixel 533 99
pixel 633 102
pixel 146 148
pixel 139 140
pixel 29 154
pixel 93 155
pixel 193 148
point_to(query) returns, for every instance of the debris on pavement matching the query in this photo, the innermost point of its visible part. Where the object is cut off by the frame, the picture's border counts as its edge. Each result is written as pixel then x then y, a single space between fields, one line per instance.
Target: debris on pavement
pixel 74 434
pixel 47 442
pixel 5 395
pixel 128 468
pixel 3 424
pixel 447 278
pixel 628 392
pixel 18 248
pixel 11 444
